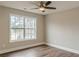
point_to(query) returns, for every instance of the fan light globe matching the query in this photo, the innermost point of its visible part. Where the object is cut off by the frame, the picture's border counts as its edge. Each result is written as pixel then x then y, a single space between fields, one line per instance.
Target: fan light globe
pixel 42 9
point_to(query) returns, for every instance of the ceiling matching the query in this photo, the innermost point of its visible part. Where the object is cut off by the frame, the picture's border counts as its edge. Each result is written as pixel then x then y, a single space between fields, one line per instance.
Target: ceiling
pixel 60 5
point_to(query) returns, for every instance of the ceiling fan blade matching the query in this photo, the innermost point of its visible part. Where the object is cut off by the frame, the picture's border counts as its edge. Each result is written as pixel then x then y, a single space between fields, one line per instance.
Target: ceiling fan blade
pixel 50 7
pixel 34 8
pixel 47 3
pixel 41 3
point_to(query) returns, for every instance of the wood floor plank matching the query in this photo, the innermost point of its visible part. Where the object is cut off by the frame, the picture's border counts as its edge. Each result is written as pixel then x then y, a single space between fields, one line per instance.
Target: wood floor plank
pixel 40 51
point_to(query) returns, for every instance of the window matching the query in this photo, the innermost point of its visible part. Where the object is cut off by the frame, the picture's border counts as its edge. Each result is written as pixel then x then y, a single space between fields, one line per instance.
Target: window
pixel 22 28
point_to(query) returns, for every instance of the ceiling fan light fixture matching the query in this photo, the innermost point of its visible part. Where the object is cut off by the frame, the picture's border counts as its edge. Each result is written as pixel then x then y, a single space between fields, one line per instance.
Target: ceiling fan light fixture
pixel 42 8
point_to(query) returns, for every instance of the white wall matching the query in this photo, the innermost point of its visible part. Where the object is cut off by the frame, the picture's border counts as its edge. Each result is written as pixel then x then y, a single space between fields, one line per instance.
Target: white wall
pixel 63 28
pixel 4 29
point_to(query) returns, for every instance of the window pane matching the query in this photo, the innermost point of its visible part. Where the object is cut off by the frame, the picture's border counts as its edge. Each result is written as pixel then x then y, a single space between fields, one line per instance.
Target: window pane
pixel 26 23
pixel 30 34
pixel 17 22
pixel 33 22
pixel 13 34
pixel 26 33
pixel 33 35
pixel 16 34
pixel 30 22
pixel 12 21
pixel 19 34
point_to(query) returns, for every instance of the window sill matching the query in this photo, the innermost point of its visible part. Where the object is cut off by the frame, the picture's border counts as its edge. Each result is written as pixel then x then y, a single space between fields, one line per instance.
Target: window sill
pixel 20 40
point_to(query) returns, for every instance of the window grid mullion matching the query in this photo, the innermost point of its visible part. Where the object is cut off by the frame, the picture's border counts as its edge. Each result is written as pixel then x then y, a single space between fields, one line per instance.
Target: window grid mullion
pixel 15 30
pixel 24 27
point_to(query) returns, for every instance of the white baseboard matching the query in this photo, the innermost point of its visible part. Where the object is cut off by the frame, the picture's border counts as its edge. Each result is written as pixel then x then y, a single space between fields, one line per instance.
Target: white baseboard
pixel 18 48
pixel 63 48
pixel 27 46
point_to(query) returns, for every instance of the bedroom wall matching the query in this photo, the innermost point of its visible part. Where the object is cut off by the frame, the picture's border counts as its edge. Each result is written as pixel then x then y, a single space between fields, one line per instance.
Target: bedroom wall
pixel 63 28
pixel 4 29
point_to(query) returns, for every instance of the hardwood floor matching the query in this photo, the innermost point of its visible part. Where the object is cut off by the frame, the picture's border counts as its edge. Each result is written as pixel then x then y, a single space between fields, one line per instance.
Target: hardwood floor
pixel 40 51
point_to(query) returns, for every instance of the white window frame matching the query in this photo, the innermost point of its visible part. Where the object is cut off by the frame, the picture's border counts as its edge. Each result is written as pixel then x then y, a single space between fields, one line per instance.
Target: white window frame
pixel 14 40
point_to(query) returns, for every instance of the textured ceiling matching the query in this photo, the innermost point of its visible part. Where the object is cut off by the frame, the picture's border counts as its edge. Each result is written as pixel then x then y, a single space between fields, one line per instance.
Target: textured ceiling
pixel 60 5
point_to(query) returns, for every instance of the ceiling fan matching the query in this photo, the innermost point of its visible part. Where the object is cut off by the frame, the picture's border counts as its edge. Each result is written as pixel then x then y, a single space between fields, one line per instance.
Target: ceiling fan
pixel 44 5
